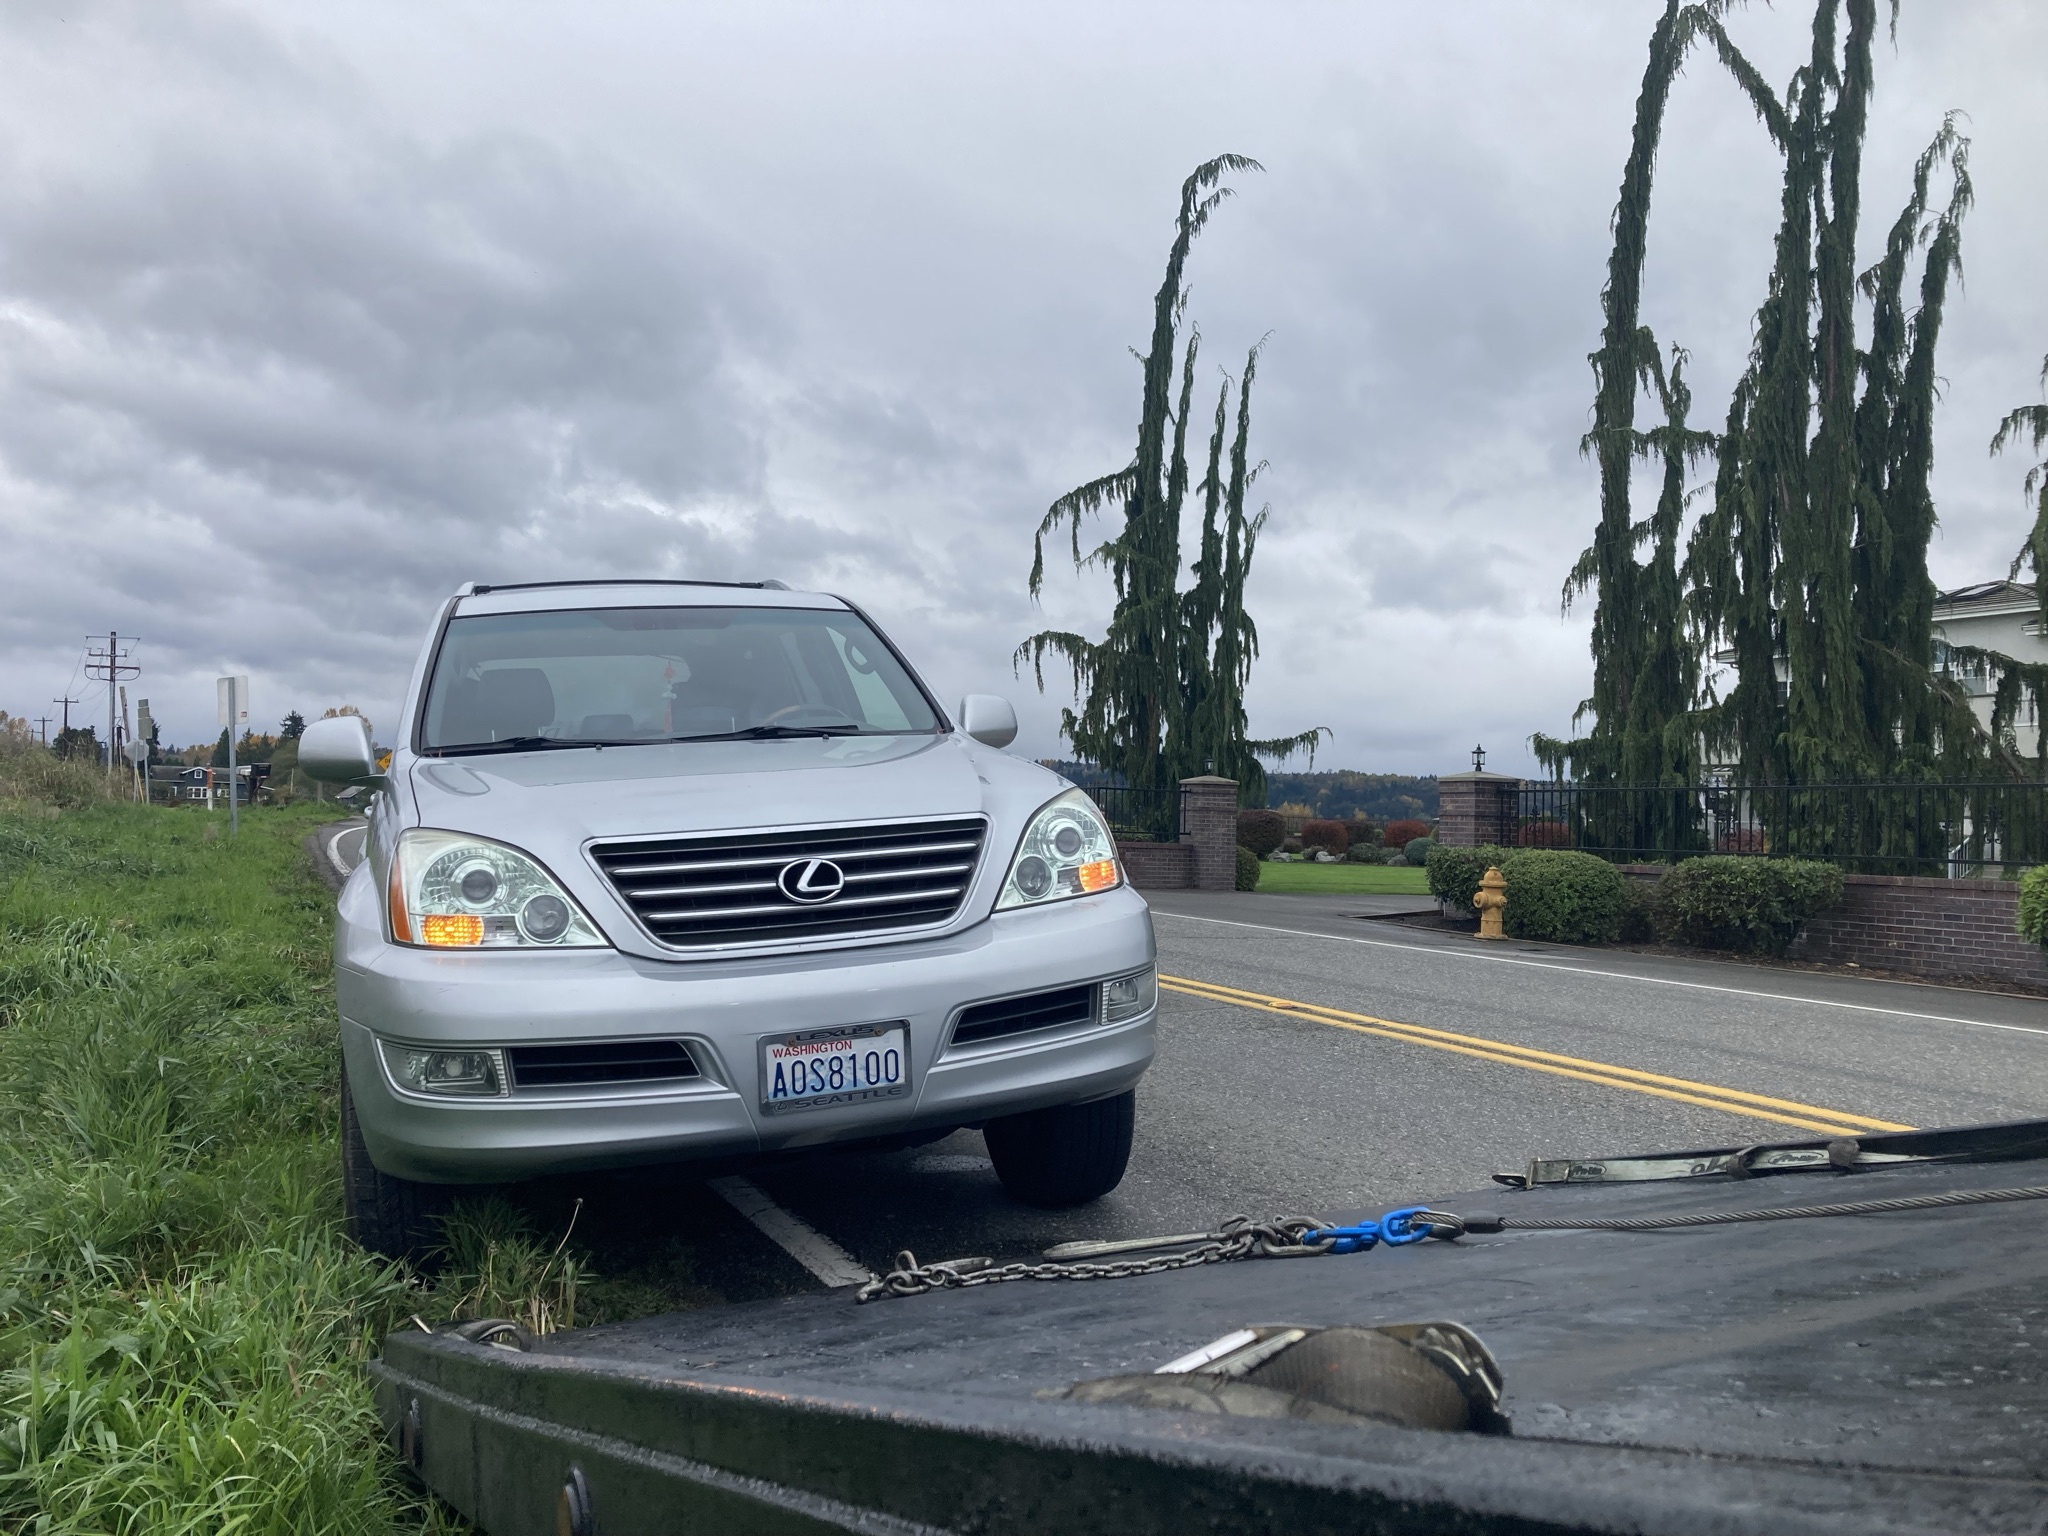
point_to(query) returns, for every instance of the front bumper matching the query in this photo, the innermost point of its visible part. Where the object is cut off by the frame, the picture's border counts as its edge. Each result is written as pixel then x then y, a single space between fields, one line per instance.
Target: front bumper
pixel 721 1010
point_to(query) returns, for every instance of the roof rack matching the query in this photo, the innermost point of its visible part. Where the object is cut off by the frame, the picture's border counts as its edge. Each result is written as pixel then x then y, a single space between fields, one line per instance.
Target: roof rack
pixel 479 588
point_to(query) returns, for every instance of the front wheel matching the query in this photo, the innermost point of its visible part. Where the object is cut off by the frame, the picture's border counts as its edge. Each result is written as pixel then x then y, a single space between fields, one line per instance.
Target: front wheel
pixel 395 1218
pixel 1067 1155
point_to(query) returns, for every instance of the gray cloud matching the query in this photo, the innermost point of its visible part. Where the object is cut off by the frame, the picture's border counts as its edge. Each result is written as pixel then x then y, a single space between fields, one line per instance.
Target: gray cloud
pixel 305 317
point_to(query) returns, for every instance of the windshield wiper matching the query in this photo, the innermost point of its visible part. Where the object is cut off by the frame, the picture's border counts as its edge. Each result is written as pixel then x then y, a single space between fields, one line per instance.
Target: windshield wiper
pixel 779 732
pixel 530 744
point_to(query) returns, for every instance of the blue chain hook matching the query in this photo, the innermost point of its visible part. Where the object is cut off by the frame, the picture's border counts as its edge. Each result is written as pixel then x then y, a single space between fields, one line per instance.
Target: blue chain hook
pixel 1393 1229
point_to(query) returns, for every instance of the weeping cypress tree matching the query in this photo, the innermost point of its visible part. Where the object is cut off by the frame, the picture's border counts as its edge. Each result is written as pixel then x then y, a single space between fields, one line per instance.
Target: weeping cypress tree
pixel 1162 693
pixel 1627 356
pixel 2031 422
pixel 1809 568
pixel 1660 742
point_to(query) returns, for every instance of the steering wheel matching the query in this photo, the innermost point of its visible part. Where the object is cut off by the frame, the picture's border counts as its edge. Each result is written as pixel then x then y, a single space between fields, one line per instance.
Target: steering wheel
pixel 839 716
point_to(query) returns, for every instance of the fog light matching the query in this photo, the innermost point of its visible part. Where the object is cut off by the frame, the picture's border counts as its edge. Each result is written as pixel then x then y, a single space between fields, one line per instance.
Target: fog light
pixel 455 1074
pixel 1129 996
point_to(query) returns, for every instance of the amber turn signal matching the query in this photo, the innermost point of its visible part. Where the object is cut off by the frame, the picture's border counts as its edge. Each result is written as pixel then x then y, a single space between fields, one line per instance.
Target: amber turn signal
pixel 451 930
pixel 1099 876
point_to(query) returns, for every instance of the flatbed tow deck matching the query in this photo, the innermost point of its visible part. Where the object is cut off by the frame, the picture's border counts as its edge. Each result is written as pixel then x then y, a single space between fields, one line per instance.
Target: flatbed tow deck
pixel 1855 1374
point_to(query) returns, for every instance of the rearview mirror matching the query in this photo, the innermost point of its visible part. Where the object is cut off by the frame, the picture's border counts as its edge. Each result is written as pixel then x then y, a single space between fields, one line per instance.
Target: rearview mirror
pixel 337 751
pixel 988 719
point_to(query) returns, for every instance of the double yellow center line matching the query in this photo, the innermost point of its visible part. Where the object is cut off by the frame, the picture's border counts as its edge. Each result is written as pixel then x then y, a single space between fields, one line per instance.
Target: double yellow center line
pixel 1756 1106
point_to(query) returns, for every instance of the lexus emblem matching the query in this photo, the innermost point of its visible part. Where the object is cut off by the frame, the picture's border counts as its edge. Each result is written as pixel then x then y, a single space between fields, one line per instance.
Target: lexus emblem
pixel 811 880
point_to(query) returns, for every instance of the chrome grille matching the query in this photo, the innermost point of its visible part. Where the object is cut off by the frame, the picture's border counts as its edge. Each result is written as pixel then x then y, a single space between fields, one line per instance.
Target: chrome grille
pixel 701 892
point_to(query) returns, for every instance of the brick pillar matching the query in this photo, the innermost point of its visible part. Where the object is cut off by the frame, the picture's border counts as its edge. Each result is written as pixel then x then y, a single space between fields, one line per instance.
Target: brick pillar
pixel 1208 821
pixel 1476 808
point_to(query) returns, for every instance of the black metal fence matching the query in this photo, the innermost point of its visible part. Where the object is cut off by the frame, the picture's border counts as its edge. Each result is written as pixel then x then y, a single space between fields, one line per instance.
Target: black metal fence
pixel 1139 815
pixel 1953 830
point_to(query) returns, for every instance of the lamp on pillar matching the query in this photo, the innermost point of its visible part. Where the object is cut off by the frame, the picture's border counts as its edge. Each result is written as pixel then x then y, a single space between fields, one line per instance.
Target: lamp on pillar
pixel 1479 759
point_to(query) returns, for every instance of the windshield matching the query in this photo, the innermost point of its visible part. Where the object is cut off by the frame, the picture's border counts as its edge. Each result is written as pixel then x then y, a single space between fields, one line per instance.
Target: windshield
pixel 617 675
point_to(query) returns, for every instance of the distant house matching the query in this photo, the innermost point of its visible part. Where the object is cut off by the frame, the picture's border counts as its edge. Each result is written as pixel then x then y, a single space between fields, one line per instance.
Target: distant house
pixel 171 783
pixel 2002 616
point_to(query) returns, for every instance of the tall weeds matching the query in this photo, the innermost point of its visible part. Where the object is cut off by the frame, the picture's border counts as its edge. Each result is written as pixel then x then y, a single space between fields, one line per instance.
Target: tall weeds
pixel 182 1323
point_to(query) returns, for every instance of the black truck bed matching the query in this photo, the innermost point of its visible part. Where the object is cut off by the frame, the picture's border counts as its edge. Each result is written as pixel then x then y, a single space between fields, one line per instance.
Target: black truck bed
pixel 1853 1374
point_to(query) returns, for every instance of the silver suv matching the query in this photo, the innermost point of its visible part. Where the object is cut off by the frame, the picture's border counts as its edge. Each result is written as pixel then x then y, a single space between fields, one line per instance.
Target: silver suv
pixel 672 870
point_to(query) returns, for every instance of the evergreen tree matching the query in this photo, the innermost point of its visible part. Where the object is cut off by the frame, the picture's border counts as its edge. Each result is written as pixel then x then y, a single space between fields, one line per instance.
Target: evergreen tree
pixel 1809 568
pixel 1161 695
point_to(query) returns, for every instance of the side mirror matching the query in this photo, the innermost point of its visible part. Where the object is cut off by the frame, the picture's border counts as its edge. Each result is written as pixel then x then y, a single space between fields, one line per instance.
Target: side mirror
pixel 338 751
pixel 988 719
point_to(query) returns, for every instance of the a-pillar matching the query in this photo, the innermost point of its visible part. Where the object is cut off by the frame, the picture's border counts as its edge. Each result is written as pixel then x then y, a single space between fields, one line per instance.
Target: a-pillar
pixel 1474 809
pixel 1208 821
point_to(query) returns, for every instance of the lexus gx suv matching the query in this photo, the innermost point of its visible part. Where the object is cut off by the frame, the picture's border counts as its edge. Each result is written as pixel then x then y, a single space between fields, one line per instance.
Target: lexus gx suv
pixel 662 871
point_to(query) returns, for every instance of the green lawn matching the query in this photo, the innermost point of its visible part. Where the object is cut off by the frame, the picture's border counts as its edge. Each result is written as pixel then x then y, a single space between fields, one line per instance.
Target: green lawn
pixel 1345 879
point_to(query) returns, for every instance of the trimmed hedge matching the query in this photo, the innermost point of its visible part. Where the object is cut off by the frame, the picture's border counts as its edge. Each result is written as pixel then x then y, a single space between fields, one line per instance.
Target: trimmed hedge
pixel 1455 873
pixel 1562 897
pixel 1247 869
pixel 1261 831
pixel 1417 851
pixel 1753 905
pixel 1326 834
pixel 2033 922
pixel 1399 833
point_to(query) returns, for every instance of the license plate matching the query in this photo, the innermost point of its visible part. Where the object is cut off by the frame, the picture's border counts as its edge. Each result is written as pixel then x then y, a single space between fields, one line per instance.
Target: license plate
pixel 823 1067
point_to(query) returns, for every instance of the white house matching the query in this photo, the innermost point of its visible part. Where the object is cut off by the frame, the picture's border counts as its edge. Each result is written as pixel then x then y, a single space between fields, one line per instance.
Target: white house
pixel 2002 616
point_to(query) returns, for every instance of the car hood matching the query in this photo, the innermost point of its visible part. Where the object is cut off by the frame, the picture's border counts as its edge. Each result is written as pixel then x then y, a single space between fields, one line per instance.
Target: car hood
pixel 553 803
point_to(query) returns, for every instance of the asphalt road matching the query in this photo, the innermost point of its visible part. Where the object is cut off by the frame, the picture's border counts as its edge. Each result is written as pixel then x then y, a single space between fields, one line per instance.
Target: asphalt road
pixel 1314 1060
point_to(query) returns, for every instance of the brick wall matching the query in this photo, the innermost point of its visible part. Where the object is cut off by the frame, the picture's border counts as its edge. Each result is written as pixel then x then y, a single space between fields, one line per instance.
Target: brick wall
pixel 1476 808
pixel 1947 929
pixel 1205 858
pixel 1159 866
pixel 1943 930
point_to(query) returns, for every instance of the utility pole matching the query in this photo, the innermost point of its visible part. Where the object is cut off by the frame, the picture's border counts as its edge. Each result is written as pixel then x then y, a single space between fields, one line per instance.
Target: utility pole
pixel 67 703
pixel 43 729
pixel 111 667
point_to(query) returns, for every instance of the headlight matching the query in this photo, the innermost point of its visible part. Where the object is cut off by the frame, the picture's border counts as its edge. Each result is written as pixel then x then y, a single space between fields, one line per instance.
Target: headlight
pixel 448 891
pixel 1066 851
pixel 454 1074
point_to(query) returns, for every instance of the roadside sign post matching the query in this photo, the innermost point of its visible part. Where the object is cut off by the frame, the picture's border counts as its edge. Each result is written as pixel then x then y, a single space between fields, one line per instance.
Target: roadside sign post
pixel 232 694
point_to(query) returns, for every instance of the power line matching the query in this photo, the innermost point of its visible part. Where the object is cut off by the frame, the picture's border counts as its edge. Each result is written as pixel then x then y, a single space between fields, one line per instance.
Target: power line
pixel 111 666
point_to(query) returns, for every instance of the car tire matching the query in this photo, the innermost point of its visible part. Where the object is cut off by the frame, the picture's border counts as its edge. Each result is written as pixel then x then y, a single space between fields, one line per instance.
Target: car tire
pixel 394 1218
pixel 1067 1155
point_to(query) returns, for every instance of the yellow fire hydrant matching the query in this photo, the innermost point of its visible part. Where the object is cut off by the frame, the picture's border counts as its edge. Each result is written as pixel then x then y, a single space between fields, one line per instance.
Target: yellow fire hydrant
pixel 1490 898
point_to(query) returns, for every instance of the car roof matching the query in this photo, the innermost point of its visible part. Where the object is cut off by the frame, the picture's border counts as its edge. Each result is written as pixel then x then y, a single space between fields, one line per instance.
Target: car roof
pixel 549 596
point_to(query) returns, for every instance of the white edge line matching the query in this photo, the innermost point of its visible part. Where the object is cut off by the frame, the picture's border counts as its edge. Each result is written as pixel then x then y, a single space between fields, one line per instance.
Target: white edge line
pixel 1587 970
pixel 334 858
pixel 825 1259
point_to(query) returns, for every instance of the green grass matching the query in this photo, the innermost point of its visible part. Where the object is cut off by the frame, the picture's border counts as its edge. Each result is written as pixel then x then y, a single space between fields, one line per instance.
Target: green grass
pixel 1344 879
pixel 182 1321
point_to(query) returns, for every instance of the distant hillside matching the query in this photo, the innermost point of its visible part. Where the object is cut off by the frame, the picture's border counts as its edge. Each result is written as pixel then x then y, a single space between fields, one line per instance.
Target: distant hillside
pixel 1342 794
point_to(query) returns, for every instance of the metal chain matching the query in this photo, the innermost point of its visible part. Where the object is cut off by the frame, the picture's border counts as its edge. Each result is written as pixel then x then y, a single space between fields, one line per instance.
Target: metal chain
pixel 1237 1238
pixel 1293 1237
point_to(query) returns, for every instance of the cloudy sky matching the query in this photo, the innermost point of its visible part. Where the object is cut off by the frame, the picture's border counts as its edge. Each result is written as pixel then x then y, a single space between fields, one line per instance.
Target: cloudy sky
pixel 308 313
